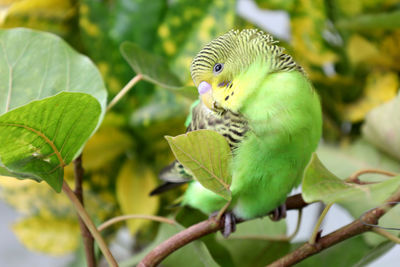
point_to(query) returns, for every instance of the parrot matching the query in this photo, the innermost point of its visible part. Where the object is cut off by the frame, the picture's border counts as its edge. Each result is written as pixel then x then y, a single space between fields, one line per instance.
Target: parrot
pixel 262 102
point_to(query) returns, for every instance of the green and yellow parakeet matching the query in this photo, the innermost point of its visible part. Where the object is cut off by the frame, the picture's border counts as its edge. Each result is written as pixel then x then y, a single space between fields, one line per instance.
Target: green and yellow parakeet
pixel 261 101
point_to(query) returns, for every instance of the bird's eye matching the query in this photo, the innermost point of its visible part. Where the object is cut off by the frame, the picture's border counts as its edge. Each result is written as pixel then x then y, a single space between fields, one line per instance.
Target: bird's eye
pixel 218 68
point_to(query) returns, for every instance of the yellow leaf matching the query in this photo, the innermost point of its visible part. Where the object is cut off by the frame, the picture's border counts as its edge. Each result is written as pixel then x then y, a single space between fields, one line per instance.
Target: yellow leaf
pixel 380 87
pixel 55 236
pixel 30 197
pixel 361 51
pixel 107 144
pixel 308 24
pixel 134 183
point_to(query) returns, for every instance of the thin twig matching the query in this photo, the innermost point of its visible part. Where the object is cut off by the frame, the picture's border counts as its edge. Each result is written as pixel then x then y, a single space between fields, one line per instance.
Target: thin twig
pixel 124 90
pixel 90 225
pixel 199 230
pixel 117 219
pixel 87 237
pixel 386 234
pixel 355 228
pixel 314 235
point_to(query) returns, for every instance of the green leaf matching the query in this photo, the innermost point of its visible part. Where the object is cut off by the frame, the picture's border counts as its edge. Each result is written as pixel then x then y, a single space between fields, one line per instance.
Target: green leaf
pixel 344 161
pixel 345 253
pixel 195 253
pixel 319 184
pixel 362 155
pixel 207 155
pixel 250 252
pixel 382 125
pixel 388 20
pixel 155 70
pixel 35 65
pixel 42 137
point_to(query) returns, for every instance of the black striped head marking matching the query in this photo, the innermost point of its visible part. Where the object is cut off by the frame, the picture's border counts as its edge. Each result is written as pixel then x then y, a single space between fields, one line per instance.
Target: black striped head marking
pixel 226 56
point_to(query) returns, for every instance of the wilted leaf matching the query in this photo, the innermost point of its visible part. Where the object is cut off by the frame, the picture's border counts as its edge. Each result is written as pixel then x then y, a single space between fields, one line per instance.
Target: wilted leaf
pixel 251 252
pixel 207 155
pixel 195 253
pixel 42 137
pixel 382 127
pixel 35 65
pixel 380 87
pixel 47 234
pixel 319 184
pixel 134 183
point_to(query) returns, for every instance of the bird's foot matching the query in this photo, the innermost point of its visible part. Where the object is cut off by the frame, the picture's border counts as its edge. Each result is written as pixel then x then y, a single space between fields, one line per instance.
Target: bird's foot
pixel 228 220
pixel 279 213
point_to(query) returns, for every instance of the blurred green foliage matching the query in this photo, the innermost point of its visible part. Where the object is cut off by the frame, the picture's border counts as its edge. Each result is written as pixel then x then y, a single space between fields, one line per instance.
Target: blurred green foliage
pixel 350 50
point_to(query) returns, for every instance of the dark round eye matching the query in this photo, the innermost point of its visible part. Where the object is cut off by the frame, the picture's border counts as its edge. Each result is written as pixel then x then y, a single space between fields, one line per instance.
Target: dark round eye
pixel 218 67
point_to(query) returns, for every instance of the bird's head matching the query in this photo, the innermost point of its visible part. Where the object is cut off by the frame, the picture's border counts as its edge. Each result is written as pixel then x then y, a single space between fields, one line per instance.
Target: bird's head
pixel 227 58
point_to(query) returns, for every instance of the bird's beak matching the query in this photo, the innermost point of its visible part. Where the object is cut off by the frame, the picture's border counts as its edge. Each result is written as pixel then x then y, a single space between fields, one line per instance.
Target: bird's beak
pixel 205 91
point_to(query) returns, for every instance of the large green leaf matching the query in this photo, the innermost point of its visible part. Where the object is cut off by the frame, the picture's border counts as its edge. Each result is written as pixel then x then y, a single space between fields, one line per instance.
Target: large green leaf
pixel 194 254
pixel 35 65
pixel 207 155
pixel 319 184
pixel 40 138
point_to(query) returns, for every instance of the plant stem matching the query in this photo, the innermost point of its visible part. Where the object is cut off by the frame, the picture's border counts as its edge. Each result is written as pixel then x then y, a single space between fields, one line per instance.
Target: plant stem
pixel 355 228
pixel 386 234
pixel 313 237
pixel 124 90
pixel 90 225
pixel 133 216
pixel 87 237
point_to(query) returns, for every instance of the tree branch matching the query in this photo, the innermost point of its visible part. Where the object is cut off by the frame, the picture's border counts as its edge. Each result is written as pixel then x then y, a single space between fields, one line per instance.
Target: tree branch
pixel 199 230
pixel 355 228
pixel 87 237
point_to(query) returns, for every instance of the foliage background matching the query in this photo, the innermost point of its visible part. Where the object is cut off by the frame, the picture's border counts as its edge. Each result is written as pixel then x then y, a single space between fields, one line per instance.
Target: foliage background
pixel 348 48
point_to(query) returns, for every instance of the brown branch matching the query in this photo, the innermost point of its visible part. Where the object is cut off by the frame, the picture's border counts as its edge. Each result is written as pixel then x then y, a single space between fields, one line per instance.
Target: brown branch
pixel 355 228
pixel 199 230
pixel 87 237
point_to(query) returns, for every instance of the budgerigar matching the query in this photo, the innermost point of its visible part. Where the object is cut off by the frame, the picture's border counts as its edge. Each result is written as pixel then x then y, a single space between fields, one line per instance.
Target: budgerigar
pixel 261 101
